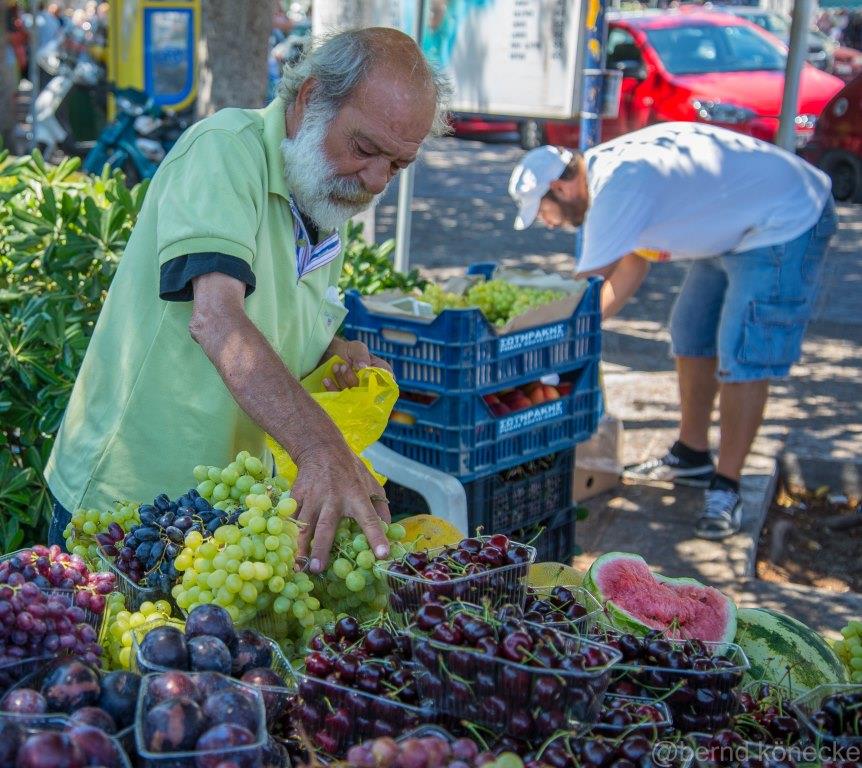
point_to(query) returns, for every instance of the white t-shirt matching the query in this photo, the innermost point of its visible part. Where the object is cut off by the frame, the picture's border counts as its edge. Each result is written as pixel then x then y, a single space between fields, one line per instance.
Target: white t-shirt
pixel 691 191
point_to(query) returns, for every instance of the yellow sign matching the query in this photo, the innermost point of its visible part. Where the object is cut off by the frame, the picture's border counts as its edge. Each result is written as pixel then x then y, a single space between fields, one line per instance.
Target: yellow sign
pixel 152 46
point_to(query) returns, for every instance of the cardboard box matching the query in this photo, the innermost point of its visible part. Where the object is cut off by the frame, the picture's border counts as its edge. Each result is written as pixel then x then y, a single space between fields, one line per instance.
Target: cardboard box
pixel 598 462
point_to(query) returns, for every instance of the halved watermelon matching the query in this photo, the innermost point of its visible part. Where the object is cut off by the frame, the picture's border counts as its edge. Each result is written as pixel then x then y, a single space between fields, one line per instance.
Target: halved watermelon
pixel 638 600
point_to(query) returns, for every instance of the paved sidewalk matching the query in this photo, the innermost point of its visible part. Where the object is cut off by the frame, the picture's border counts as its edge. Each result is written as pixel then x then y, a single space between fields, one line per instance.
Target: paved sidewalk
pixel 462 215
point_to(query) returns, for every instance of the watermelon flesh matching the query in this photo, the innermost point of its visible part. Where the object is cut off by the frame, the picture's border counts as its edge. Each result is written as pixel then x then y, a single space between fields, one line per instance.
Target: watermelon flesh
pixel 638 600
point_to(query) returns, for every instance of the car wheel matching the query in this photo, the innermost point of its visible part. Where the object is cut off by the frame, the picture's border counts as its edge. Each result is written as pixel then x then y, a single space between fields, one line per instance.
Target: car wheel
pixel 845 170
pixel 531 134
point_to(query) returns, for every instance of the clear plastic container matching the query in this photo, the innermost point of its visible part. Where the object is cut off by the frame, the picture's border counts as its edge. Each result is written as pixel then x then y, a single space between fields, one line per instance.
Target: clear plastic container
pixel 699 699
pixel 336 717
pixel 139 662
pixel 13 672
pixel 640 723
pixel 809 705
pixel 496 586
pixel 246 756
pixel 710 755
pixel 134 593
pixel 582 625
pixel 465 683
pixel 670 752
pixel 31 725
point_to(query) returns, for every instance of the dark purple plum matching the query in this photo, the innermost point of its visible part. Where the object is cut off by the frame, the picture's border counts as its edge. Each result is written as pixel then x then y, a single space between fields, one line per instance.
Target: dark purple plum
pixel 165 647
pixel 24 701
pixel 96 746
pixel 232 706
pixel 70 686
pixel 50 749
pixel 96 717
pixel 171 685
pixel 174 725
pixel 119 696
pixel 252 650
pixel 211 683
pixel 266 679
pixel 11 737
pixel 212 620
pixel 218 740
pixel 208 654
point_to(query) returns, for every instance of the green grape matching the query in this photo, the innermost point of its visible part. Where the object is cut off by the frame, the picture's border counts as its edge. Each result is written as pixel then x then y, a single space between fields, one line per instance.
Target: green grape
pixel 85 524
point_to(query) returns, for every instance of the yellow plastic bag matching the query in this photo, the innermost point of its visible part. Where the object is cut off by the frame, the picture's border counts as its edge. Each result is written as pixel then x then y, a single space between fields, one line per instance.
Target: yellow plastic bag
pixel 361 412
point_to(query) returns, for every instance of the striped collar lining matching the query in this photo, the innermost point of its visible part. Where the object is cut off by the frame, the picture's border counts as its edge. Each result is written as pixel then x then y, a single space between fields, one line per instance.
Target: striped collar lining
pixel 310 257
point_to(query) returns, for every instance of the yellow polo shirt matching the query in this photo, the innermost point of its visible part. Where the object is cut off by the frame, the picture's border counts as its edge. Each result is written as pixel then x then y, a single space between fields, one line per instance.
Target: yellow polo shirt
pixel 148 405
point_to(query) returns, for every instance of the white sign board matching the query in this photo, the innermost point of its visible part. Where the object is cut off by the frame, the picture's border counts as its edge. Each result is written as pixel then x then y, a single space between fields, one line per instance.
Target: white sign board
pixel 505 57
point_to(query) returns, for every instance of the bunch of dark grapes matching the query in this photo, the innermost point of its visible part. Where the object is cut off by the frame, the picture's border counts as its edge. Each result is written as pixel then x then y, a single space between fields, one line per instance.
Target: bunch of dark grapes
pixel 147 553
pixel 34 623
pixel 51 568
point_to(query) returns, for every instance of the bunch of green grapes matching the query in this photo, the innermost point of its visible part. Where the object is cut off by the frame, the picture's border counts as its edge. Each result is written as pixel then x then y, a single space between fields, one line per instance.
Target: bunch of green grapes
pixel 247 568
pixel 530 298
pixel 121 623
pixel 494 298
pixel 80 533
pixel 849 649
pixel 440 299
pixel 351 583
pixel 228 488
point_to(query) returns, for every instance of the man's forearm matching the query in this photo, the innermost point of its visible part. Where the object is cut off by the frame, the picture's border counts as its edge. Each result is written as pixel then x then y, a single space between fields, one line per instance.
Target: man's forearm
pixel 262 385
pixel 622 283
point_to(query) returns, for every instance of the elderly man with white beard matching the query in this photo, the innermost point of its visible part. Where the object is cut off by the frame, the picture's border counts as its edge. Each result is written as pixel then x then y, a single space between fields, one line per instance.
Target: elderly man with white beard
pixel 226 294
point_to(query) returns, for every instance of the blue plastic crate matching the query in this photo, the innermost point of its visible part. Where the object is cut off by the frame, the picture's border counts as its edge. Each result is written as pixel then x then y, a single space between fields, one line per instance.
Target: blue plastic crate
pixel 459 351
pixel 459 435
pixel 553 537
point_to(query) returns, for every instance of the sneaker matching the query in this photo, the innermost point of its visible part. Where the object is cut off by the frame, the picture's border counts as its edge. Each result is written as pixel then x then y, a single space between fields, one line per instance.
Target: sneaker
pixel 672 469
pixel 722 514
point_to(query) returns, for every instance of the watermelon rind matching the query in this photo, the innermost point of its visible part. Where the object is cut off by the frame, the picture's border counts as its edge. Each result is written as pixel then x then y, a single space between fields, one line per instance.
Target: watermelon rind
pixel 625 621
pixel 785 651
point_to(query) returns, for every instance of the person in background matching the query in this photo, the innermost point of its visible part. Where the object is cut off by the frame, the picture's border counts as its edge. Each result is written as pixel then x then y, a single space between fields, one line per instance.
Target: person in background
pixel 751 221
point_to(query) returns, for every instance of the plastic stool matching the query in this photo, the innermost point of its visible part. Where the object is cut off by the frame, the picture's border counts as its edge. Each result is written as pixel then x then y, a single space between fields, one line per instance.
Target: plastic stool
pixel 445 494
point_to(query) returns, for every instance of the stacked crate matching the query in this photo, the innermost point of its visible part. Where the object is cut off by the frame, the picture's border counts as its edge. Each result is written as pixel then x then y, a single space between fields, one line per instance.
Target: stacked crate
pixel 517 469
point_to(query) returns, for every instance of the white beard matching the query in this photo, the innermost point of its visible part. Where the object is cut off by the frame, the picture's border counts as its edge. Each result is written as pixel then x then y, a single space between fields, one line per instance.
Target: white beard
pixel 327 199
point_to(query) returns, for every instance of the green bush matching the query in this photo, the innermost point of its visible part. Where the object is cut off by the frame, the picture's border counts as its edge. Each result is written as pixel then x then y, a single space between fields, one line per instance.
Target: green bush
pixel 61 236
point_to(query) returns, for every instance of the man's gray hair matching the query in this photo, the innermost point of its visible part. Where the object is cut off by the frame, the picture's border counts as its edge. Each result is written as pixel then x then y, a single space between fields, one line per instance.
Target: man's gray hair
pixel 340 61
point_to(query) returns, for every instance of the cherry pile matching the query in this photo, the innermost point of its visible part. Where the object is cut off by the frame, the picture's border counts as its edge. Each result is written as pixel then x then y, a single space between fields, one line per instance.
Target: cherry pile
pixel 147 553
pixel 36 624
pixel 727 748
pixel 557 606
pixel 698 686
pixel 70 687
pixel 51 568
pixel 764 717
pixel 626 714
pixel 839 715
pixel 358 684
pixel 428 750
pixel 631 751
pixel 526 679
pixel 496 567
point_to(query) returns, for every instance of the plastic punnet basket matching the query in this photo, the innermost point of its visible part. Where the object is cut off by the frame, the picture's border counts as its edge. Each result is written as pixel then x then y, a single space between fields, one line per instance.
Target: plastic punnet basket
pixel 460 351
pixel 134 593
pixel 31 725
pixel 465 683
pixel 699 700
pixel 707 755
pixel 13 672
pixel 37 678
pixel 369 715
pixel 141 664
pixel 639 726
pixel 458 434
pixel 496 586
pixel 248 756
pixel 807 705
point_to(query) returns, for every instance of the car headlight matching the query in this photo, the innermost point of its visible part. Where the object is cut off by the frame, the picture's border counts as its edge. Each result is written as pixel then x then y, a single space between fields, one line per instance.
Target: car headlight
pixel 722 112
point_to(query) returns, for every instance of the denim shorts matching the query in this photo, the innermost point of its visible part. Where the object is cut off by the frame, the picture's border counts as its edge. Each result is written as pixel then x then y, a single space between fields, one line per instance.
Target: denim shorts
pixel 750 309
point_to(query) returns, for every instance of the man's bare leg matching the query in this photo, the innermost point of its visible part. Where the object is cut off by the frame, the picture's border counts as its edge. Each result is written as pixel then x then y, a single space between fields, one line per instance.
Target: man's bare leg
pixel 741 408
pixel 697 390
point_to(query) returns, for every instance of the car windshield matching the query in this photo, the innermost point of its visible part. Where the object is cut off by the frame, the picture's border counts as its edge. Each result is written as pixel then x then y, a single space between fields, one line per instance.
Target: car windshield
pixel 771 22
pixel 699 49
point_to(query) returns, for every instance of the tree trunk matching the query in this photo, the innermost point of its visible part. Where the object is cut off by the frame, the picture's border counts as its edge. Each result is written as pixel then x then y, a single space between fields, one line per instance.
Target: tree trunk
pixel 233 53
pixel 8 84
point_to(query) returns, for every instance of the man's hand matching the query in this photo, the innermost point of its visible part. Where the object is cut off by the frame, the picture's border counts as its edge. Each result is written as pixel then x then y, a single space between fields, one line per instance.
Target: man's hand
pixel 333 483
pixel 356 356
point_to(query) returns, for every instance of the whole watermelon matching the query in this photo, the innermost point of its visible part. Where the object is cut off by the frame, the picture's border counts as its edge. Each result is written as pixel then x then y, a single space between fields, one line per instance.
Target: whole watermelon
pixel 783 650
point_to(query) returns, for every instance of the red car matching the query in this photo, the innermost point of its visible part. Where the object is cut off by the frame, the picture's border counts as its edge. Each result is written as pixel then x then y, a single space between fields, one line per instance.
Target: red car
pixel 701 66
pixel 837 143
